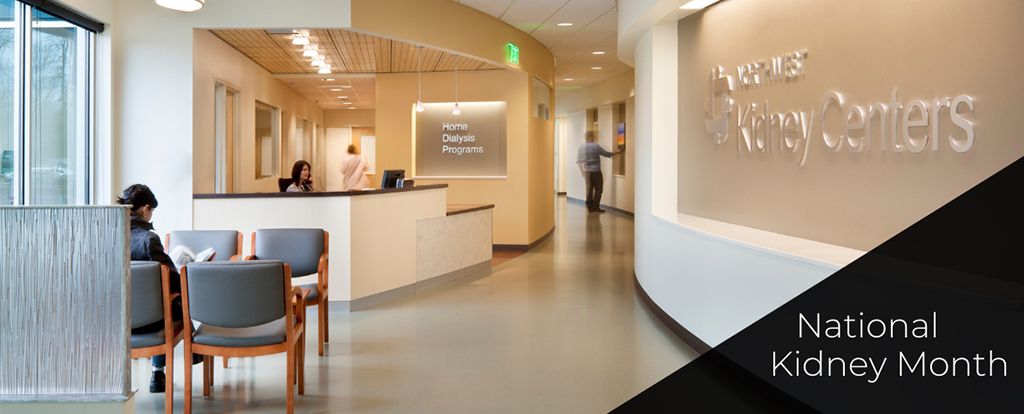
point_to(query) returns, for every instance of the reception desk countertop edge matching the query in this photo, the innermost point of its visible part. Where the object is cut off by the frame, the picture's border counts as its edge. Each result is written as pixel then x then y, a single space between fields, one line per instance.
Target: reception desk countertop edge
pixel 323 193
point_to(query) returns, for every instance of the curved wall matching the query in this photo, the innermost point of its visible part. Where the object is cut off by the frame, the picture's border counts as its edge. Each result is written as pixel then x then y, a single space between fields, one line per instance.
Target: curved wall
pixel 718 279
pixel 524 201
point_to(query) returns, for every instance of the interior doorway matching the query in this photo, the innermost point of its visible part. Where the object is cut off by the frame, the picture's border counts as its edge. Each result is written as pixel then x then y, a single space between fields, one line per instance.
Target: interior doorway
pixel 225 136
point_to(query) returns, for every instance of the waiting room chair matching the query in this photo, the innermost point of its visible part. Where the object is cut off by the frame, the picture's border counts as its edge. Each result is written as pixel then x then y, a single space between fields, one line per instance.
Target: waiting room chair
pixel 246 309
pixel 305 250
pixel 151 302
pixel 227 243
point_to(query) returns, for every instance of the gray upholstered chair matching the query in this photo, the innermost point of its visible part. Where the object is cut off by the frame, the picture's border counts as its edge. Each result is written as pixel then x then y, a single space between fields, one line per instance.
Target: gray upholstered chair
pixel 227 243
pixel 151 303
pixel 305 250
pixel 246 309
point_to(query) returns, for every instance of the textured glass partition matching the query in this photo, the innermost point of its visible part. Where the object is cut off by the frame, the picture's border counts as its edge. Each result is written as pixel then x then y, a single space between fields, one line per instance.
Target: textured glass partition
pixel 64 310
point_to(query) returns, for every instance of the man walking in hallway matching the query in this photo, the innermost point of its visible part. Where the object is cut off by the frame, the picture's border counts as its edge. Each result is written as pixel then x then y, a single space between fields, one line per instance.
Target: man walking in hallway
pixel 589 160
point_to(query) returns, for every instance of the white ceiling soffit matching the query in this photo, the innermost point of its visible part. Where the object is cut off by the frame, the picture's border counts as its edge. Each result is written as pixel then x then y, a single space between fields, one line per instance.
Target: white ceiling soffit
pixel 594 29
pixel 638 16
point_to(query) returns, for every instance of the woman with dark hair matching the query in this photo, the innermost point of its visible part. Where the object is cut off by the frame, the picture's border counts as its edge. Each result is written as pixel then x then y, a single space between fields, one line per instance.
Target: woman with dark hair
pixel 301 180
pixel 145 245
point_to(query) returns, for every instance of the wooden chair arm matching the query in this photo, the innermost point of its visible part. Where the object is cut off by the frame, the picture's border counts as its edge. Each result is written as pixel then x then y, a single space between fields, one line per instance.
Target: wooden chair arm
pixel 235 258
pixel 250 257
pixel 321 271
pixel 174 296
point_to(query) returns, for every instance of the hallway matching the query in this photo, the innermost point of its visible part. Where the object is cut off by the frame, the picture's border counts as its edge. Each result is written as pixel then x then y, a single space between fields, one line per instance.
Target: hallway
pixel 558 329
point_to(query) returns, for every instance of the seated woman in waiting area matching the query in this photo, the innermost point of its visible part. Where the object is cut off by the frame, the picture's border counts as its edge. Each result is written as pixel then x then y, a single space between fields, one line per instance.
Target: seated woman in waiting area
pixel 301 178
pixel 145 245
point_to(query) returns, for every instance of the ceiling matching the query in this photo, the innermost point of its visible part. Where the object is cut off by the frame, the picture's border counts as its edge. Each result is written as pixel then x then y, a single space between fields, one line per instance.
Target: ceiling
pixel 594 29
pixel 587 26
pixel 354 59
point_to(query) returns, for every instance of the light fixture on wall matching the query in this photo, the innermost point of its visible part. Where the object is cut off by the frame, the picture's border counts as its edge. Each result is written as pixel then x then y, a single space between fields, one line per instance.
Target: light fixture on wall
pixel 419 74
pixel 182 5
pixel 456 111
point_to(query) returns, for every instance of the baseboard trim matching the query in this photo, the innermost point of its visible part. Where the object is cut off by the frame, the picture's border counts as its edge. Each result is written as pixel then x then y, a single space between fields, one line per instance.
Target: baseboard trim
pixel 523 247
pixel 684 334
pixel 542 239
pixel 364 302
pixel 604 206
pixel 510 247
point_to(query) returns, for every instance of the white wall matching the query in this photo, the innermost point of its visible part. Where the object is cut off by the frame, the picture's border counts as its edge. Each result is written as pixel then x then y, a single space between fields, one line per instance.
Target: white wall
pixel 576 126
pixel 151 102
pixel 713 288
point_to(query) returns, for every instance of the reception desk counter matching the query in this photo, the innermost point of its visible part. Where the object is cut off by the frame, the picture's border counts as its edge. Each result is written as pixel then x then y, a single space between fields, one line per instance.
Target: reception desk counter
pixel 384 243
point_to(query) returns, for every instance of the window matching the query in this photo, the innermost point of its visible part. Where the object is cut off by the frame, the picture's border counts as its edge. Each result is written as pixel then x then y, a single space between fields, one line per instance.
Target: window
pixel 268 133
pixel 541 99
pixel 46 74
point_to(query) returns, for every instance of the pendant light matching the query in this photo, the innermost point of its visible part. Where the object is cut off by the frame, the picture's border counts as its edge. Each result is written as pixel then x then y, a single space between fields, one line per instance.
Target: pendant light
pixel 456 111
pixel 419 73
pixel 182 5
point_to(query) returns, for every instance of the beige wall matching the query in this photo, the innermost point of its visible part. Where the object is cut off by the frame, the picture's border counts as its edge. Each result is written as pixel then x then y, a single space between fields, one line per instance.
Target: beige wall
pixel 452 26
pixel 922 49
pixel 396 95
pixel 215 60
pixel 612 90
pixel 349 117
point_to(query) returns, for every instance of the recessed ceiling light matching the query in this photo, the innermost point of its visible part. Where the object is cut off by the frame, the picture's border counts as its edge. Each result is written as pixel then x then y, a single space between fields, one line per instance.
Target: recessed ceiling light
pixel 300 40
pixel 335 89
pixel 351 107
pixel 596 67
pixel 318 62
pixel 697 4
pixel 342 97
pixel 309 53
pixel 598 52
pixel 343 86
pixel 565 24
pixel 348 103
pixel 329 80
pixel 568 79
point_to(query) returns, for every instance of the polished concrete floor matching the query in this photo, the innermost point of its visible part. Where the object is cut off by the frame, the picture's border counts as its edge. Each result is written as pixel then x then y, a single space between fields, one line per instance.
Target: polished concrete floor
pixel 557 330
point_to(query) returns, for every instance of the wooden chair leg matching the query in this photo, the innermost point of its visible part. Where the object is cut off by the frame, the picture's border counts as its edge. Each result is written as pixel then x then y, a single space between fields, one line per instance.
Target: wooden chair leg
pixel 188 381
pixel 327 325
pixel 169 388
pixel 211 369
pixel 206 376
pixel 225 362
pixel 301 371
pixel 320 330
pixel 290 381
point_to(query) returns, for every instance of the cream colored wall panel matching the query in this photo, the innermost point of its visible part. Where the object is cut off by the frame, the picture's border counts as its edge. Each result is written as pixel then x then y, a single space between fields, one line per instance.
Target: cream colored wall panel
pixel 446 244
pixel 384 238
pixel 917 50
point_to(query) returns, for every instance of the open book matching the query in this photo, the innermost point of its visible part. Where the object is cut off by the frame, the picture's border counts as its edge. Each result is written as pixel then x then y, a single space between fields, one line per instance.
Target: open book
pixel 182 256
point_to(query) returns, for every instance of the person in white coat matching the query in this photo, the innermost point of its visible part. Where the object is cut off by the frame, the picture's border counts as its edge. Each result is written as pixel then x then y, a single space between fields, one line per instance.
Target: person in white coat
pixel 354 167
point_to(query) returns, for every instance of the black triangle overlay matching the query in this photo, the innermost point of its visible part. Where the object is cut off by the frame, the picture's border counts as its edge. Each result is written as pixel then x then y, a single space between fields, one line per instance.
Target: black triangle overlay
pixel 960 270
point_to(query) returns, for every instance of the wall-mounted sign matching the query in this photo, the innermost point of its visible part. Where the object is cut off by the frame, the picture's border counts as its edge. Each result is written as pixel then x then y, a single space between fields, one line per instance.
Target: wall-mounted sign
pixel 513 53
pixel 468 145
pixel 760 128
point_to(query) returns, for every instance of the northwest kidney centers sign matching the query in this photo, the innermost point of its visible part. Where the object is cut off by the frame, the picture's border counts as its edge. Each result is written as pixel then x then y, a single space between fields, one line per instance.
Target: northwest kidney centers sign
pixel 758 129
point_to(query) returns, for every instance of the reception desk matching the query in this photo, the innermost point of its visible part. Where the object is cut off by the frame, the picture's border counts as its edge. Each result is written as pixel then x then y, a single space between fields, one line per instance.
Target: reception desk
pixel 384 243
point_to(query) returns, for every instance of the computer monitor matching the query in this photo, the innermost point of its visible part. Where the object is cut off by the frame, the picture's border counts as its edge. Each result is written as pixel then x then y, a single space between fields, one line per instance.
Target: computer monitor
pixel 392 178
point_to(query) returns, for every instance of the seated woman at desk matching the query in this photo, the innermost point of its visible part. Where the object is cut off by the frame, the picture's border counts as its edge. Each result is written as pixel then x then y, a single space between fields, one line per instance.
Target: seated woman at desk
pixel 301 181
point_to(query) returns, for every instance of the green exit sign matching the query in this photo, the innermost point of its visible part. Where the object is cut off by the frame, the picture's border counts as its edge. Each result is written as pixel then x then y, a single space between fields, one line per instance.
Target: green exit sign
pixel 513 53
